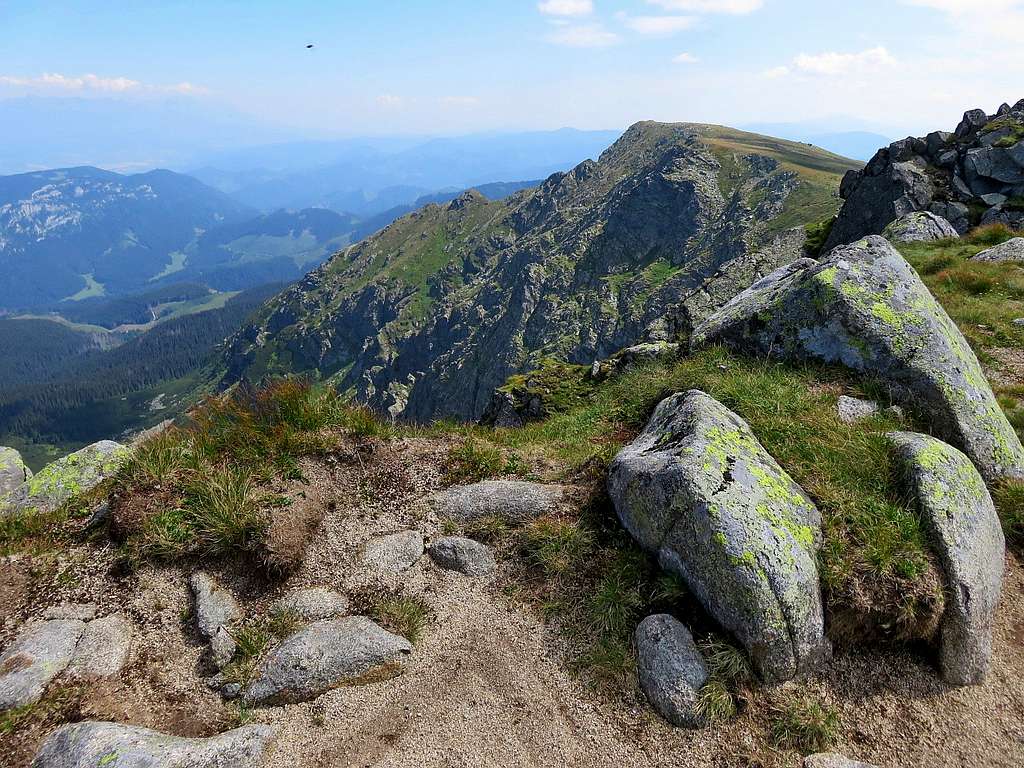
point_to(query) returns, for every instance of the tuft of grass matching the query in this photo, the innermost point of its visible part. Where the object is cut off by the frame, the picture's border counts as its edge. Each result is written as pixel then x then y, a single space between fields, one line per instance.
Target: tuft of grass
pixel 405 616
pixel 730 674
pixel 557 546
pixel 804 725
pixel 284 623
pixel 1009 499
pixel 715 702
pixel 817 236
pixel 473 460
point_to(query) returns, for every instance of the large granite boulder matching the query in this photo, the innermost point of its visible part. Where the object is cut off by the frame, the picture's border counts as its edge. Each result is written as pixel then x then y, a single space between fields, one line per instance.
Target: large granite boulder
pixel 671 669
pixel 93 744
pixel 78 473
pixel 919 226
pixel 697 489
pixel 864 307
pixel 41 652
pixel 323 656
pixel 1011 250
pixel 510 500
pixel 966 535
pixel 13 472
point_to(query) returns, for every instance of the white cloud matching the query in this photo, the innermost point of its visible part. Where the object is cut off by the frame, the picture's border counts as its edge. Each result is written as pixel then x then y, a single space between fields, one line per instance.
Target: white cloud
pixel 775 72
pixel 460 101
pixel 389 100
pixel 659 26
pixel 732 7
pixel 566 7
pixel 584 36
pixel 685 58
pixel 54 81
pixel 967 6
pixel 833 63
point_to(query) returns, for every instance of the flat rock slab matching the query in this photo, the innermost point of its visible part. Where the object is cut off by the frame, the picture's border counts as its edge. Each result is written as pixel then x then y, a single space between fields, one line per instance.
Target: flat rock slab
pixel 697 489
pixel 866 308
pixel 77 473
pixel 1011 250
pixel 510 500
pixel 41 652
pixel 671 669
pixel 833 760
pixel 919 226
pixel 102 650
pixel 313 604
pixel 111 745
pixel 394 553
pixel 456 553
pixel 215 606
pixel 324 655
pixel 966 535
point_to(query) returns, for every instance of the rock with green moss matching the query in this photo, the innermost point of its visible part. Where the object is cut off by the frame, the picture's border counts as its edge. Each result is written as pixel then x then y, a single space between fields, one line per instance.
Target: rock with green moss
pixel 966 535
pixel 94 744
pixel 697 489
pixel 919 226
pixel 65 478
pixel 13 472
pixel 865 307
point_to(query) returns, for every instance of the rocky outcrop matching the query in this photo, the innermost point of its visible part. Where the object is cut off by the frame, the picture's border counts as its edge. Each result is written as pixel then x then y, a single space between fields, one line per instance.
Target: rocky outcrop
pixel 697 489
pixel 1011 250
pixel 313 604
pixel 93 744
pixel 78 473
pixel 509 500
pixel 671 669
pixel 323 656
pixel 972 176
pixel 919 226
pixel 395 553
pixel 966 535
pixel 456 553
pixel 865 307
pixel 40 653
pixel 13 472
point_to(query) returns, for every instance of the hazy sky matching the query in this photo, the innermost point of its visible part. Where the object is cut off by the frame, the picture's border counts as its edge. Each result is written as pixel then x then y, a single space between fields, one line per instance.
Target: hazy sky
pixel 467 65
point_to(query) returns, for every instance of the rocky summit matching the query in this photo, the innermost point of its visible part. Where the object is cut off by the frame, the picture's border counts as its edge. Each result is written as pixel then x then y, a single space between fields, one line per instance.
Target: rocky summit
pixel 427 317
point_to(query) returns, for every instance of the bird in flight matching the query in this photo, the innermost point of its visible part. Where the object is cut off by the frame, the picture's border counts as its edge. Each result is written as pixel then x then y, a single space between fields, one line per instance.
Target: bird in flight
pixel 310 45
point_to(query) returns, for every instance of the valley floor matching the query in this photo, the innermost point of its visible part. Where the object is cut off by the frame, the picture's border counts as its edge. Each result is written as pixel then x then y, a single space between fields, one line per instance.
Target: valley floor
pixel 489 682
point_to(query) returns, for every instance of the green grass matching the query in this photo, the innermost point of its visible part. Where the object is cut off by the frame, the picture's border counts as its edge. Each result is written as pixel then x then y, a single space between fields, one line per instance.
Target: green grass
pixel 403 615
pixel 817 236
pixel 804 725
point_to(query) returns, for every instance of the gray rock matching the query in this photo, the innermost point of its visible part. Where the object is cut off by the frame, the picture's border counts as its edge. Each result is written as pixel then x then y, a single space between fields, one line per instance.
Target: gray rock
pixel 215 606
pixel 395 553
pixel 103 649
pixel 78 473
pixel 40 653
pixel 511 500
pixel 852 409
pixel 313 604
pixel 222 647
pixel 456 553
pixel 80 611
pixel 1011 250
pixel 91 744
pixel 231 691
pixel 974 119
pixel 13 472
pixel 917 227
pixel 833 760
pixel 671 669
pixel 697 489
pixel 324 655
pixel 966 535
pixel 865 307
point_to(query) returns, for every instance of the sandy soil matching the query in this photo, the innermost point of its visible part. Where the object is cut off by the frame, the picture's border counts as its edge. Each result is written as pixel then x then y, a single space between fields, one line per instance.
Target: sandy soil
pixel 488 683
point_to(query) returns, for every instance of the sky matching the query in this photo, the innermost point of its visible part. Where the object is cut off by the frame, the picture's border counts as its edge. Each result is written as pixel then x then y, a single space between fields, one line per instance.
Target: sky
pixel 460 66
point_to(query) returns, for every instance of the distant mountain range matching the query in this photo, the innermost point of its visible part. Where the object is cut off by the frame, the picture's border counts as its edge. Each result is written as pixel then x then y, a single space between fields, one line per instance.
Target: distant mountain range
pixel 857 144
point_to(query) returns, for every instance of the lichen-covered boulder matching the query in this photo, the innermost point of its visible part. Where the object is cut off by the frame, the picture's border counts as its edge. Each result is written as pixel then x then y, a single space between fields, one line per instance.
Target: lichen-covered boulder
pixel 865 307
pixel 13 472
pixel 61 480
pixel 1011 250
pixel 671 669
pixel 966 535
pixel 323 656
pixel 91 744
pixel 919 226
pixel 697 489
pixel 510 500
pixel 40 653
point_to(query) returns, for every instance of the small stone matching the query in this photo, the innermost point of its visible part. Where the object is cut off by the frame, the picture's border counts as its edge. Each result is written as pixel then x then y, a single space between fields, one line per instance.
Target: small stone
pixel 671 668
pixel 833 760
pixel 215 606
pixel 455 553
pixel 852 409
pixel 80 611
pixel 90 744
pixel 231 691
pixel 1018 321
pixel 313 604
pixel 395 553
pixel 324 655
pixel 103 650
pixel 222 648
pixel 40 653
pixel 510 500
